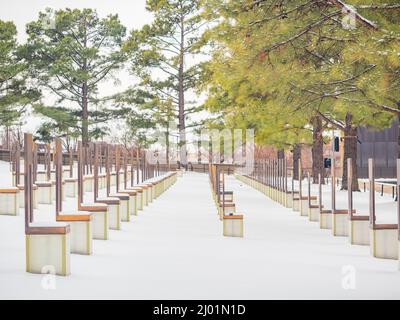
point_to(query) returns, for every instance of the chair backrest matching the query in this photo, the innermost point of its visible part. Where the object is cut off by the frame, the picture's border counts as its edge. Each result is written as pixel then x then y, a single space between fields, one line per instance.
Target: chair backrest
pixel 350 187
pixel 371 177
pixel 333 186
pixel 59 174
pixel 96 160
pixel 28 182
pixel 81 157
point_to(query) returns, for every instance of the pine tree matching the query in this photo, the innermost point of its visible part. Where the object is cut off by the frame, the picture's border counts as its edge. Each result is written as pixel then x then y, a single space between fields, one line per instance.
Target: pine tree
pixel 71 58
pixel 280 67
pixel 15 92
pixel 160 55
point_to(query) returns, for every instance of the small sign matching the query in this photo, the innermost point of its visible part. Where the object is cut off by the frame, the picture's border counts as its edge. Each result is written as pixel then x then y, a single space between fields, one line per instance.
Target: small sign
pixel 327 163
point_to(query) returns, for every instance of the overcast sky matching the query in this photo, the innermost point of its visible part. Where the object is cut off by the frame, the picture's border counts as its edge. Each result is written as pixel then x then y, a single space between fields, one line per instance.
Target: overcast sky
pixel 132 14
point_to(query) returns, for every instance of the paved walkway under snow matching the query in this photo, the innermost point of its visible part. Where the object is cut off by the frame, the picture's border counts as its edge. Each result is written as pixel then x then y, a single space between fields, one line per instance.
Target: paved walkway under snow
pixel 175 250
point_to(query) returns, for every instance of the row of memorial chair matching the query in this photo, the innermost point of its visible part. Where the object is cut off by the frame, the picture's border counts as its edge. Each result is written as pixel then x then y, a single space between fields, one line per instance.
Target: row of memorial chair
pixel 226 208
pixel 360 228
pixel 50 243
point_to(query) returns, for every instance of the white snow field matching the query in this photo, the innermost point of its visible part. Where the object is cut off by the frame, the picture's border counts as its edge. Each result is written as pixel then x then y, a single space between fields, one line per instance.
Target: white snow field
pixel 175 249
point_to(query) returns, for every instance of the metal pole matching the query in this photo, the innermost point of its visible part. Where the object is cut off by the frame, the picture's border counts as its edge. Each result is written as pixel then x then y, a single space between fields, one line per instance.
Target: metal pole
pixel 371 176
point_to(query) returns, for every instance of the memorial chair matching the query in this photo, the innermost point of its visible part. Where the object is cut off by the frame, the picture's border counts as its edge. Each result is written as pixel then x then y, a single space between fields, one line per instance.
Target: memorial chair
pixel 325 215
pixel 132 193
pixel 340 219
pixel 80 222
pixel 46 187
pixel 140 190
pixel 71 182
pixel 47 243
pixel 113 204
pixel 99 210
pixel 313 209
pixel 296 194
pixel 304 201
pixel 124 198
pixel 232 222
pixel 10 196
pixel 358 224
pixel 383 237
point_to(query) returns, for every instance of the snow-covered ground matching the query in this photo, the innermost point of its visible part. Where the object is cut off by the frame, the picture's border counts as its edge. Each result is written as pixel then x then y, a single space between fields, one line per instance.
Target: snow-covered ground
pixel 175 249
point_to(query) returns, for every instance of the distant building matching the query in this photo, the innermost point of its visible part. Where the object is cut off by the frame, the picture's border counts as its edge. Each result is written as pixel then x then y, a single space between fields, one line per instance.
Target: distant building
pixel 380 145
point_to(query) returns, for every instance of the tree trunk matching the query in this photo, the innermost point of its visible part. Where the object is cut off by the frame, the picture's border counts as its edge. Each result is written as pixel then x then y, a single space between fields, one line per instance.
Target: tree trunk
pixel 350 151
pixel 137 164
pixel 199 151
pixel 210 152
pixel 296 158
pixel 181 99
pixel 398 133
pixel 8 138
pixel 281 156
pixel 85 116
pixel 317 150
pixel 168 149
pixel 85 111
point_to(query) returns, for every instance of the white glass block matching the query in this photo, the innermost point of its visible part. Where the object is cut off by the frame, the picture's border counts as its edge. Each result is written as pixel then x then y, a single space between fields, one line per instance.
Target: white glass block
pixel 100 225
pixel 233 227
pixel 81 237
pixel 9 204
pixel 384 243
pixel 124 210
pixel 48 251
pixel 114 219
pixel 44 195
pixel 340 225
pixel 359 232
pixel 325 220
